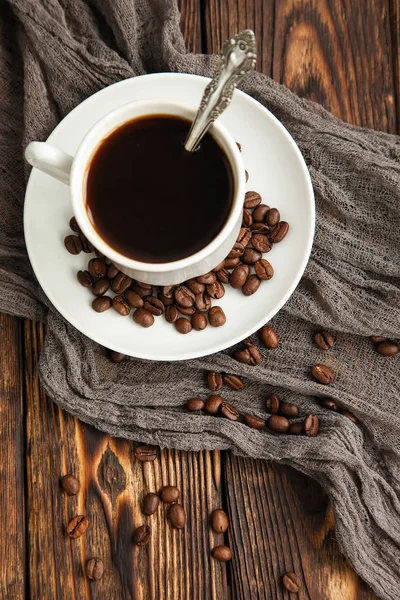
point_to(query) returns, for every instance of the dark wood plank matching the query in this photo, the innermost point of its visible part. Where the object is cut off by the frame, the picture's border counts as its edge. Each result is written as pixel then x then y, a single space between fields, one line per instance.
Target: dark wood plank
pixel 12 451
pixel 191 24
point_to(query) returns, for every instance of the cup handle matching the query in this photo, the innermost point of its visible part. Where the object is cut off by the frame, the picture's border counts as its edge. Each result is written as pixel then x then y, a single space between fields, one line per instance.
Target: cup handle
pixel 50 160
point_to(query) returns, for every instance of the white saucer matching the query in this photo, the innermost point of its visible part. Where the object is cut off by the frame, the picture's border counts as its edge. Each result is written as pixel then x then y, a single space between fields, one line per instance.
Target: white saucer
pixel 277 171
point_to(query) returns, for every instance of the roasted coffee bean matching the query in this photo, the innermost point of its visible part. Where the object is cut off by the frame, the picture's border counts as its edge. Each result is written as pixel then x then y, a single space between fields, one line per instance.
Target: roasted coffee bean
pixel 146 453
pixel 70 484
pixel 74 225
pixel 198 321
pixel 150 504
pixel 207 278
pixel 214 381
pixel 261 228
pixel 184 296
pixel 101 255
pixel 154 305
pixel 387 348
pixel 195 404
pixel 143 292
pixel 254 422
pixel 231 263
pixel 97 268
pixel 223 275
pixel 213 404
pixel 251 285
pixel 233 381
pixel 377 339
pixel 261 243
pixel 237 250
pixel 219 521
pixel 246 174
pixel 248 342
pixel 166 301
pixel 73 244
pixel 272 404
pixel 133 299
pixel 324 340
pixel 183 325
pixel 222 553
pixel 112 271
pixel 101 304
pixel 247 218
pixel 216 290
pixel 291 582
pixel 349 415
pixel 328 403
pixel 248 356
pixel 216 316
pixel 169 493
pixel 121 283
pixel 296 428
pixel 177 516
pixel 259 213
pixel 272 217
pixel 187 310
pixel 87 246
pixel 100 287
pixel 250 256
pixel 168 291
pixel 322 373
pixel 121 306
pixel 203 302
pixel 94 569
pixel 142 535
pixel 288 410
pixel 116 357
pixel 278 424
pixel 279 232
pixel 195 287
pixel 171 314
pixel 311 425
pixel 143 317
pixel 252 199
pixel 244 236
pixel 146 286
pixel 239 145
pixel 263 269
pixel 239 276
pixel 77 526
pixel 269 337
pixel 84 278
pixel 229 412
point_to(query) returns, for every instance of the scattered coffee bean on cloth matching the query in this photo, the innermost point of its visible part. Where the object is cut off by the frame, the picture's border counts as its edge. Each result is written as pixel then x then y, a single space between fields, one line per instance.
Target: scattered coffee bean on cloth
pixel 351 286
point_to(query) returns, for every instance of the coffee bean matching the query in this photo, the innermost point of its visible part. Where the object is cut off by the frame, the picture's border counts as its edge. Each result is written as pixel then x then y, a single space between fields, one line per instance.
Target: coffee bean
pixel 261 243
pixel 269 337
pixel 244 236
pixel 166 301
pixel 150 504
pixel 233 381
pixel 239 276
pixel 223 275
pixel 288 410
pixel 377 339
pixel 94 569
pixel 183 325
pixel 261 228
pixel 143 317
pixel 168 291
pixel 237 250
pixel 142 535
pixel 195 404
pixel 229 412
pixel 291 582
pixel 112 271
pixel 247 218
pixel 387 348
pixel 120 283
pixel 154 305
pixel 349 415
pixel 328 403
pixel 216 290
pixel 195 287
pixel 203 302
pixel 251 285
pixel 73 244
pixel 259 213
pixel 171 314
pixel 263 269
pixel 279 232
pixel 231 263
pixel 121 306
pixel 187 310
pixel 145 286
pixel 250 256
pixel 70 484
pixel 296 428
pixel 311 425
pixel 272 404
pixel 322 373
pixel 208 278
pixel 87 246
pixel 239 145
pixel 246 174
pixel 84 278
pixel 146 453
pixel 143 292
pixel 169 493
pixel 218 267
pixel 116 357
pixel 278 424
pixel 252 199
pixel 74 225
pixel 272 217
pixel 177 516
pixel 248 356
pixel 97 268
pixel 184 296
pixel 248 342
pixel 213 404
pixel 214 381
pixel 101 255
pixel 133 299
pixel 100 287
pixel 216 316
pixel 254 422
pixel 101 304
pixel 77 526
pixel 324 340
pixel 222 553
pixel 219 521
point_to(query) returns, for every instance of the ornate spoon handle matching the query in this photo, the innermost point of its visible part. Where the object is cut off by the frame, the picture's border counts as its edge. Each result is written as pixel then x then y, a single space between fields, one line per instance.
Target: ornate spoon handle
pixel 238 57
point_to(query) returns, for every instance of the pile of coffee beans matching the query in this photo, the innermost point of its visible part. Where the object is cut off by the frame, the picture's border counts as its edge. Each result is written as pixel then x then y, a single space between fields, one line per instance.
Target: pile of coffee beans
pixel 176 514
pixel 220 523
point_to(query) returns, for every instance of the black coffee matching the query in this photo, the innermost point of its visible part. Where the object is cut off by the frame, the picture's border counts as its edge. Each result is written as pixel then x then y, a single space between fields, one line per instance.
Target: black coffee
pixel 150 199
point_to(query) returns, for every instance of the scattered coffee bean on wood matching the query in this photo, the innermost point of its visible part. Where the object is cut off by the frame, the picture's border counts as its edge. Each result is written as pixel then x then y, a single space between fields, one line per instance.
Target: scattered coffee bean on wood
pixel 198 321
pixel 248 356
pixel 222 553
pixel 77 526
pixel 142 535
pixel 291 582
pixel 328 403
pixel 228 411
pixel 269 337
pixel 254 422
pixel 216 316
pixel 296 428
pixel 70 484
pixel 324 340
pixel 116 357
pixel 177 516
pixel 143 317
pixel 73 244
pixel 278 424
pixel 349 415
pixel 213 404
pixel 150 504
pixel 387 348
pixel 219 521
pixel 84 278
pixel 322 374
pixel 146 453
pixel 170 493
pixel 195 404
pixel 101 304
pixel 94 569
pixel 233 381
pixel 272 404
pixel 311 425
pixel 288 410
pixel 214 381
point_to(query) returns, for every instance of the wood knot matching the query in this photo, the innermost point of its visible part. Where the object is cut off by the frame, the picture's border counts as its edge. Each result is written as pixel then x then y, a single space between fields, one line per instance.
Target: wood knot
pixel 111 475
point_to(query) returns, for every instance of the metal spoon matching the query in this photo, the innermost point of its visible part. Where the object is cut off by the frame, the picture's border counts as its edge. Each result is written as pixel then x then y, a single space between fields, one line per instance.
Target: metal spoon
pixel 238 57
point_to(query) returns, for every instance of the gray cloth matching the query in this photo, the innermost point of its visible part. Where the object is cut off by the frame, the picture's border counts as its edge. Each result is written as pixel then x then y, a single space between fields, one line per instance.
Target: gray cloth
pixel 55 53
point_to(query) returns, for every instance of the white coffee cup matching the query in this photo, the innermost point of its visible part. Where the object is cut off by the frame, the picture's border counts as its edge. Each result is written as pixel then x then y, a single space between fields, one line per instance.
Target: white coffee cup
pixel 72 171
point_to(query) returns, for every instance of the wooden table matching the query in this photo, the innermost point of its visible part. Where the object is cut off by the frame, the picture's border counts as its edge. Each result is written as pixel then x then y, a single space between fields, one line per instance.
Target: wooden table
pixel 345 55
